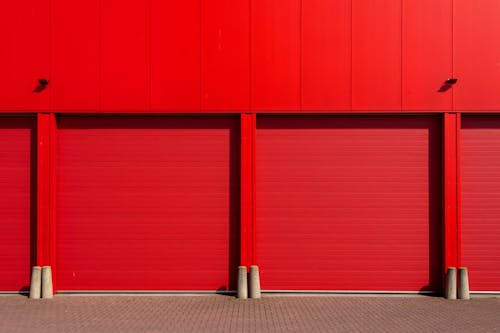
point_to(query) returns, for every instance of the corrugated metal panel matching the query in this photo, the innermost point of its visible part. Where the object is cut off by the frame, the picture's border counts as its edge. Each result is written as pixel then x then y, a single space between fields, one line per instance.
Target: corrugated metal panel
pixel 175 55
pixel 476 55
pixel 281 55
pixel 275 46
pixel 480 139
pixel 125 67
pixel 147 203
pixel 427 56
pixel 376 55
pixel 24 56
pixel 326 55
pixel 225 63
pixel 16 183
pixel 75 55
pixel 348 203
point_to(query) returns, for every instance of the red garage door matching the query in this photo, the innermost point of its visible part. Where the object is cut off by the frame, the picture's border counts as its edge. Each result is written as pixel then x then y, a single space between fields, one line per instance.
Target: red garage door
pixel 16 183
pixel 349 203
pixel 481 201
pixel 147 203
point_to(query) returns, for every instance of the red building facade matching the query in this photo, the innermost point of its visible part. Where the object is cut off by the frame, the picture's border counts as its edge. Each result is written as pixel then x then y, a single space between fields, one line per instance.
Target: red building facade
pixel 340 145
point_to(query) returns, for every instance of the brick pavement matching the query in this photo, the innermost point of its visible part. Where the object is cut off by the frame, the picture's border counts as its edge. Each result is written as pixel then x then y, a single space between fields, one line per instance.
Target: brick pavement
pixel 273 313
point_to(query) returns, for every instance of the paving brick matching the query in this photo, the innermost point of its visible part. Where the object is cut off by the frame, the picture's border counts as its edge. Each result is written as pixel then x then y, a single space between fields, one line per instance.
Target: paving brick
pixel 272 313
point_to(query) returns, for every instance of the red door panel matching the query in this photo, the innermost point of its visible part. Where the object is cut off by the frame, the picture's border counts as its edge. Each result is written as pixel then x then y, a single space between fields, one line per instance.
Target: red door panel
pixel 17 179
pixel 376 55
pixel 427 45
pixel 326 55
pixel 348 203
pixel 75 42
pixel 480 140
pixel 175 55
pixel 275 47
pixel 476 55
pixel 24 49
pixel 147 203
pixel 225 55
pixel 125 69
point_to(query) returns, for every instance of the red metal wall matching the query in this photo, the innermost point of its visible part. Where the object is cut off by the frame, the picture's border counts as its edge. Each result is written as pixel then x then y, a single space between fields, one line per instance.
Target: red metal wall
pixel 349 203
pixel 281 55
pixel 147 203
pixel 481 209
pixel 247 57
pixel 476 57
pixel 17 204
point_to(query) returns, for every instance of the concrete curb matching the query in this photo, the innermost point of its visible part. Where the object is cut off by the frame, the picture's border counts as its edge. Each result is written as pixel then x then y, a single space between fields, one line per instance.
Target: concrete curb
pixel 47 291
pixel 451 284
pixel 254 282
pixel 36 282
pixel 463 283
pixel 242 282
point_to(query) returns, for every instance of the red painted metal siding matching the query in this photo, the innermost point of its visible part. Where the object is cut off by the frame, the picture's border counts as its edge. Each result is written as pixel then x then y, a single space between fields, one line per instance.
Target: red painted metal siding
pixel 75 76
pixel 427 56
pixel 125 55
pixel 227 56
pixel 452 190
pixel 247 188
pixel 24 56
pixel 476 55
pixel 376 55
pixel 275 45
pixel 242 57
pixel 225 75
pixel 17 204
pixel 349 203
pixel 147 203
pixel 481 210
pixel 175 55
pixel 326 55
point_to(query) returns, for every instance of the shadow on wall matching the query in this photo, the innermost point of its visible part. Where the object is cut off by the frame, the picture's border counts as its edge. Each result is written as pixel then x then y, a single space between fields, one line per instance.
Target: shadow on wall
pixel 447 85
pixel 234 209
pixel 435 211
pixel 42 84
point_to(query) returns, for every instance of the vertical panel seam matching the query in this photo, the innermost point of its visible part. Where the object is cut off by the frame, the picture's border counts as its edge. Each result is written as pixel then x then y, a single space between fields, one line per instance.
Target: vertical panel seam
pixel 200 62
pixel 50 53
pixel 250 58
pixel 300 54
pixel 100 56
pixel 452 4
pixel 458 189
pixel 52 197
pixel 401 53
pixel 150 38
pixel 352 54
pixel 254 189
pixel 50 179
pixel 243 189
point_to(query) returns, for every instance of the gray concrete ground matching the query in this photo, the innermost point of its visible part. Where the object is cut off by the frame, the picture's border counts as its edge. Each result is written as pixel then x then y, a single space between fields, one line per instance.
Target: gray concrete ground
pixel 272 313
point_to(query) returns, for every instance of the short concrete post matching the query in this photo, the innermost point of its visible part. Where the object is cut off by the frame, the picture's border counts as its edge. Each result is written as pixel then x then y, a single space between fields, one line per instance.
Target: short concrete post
pixel 242 282
pixel 47 282
pixel 451 283
pixel 254 283
pixel 463 283
pixel 36 282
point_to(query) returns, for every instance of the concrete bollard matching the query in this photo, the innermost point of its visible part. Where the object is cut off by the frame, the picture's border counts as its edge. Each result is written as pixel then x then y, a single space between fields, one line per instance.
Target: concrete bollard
pixel 47 282
pixel 36 282
pixel 463 283
pixel 242 282
pixel 254 283
pixel 451 283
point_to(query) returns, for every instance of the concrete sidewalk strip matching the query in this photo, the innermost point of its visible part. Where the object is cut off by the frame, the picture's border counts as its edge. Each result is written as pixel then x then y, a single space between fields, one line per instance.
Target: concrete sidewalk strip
pixel 271 313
